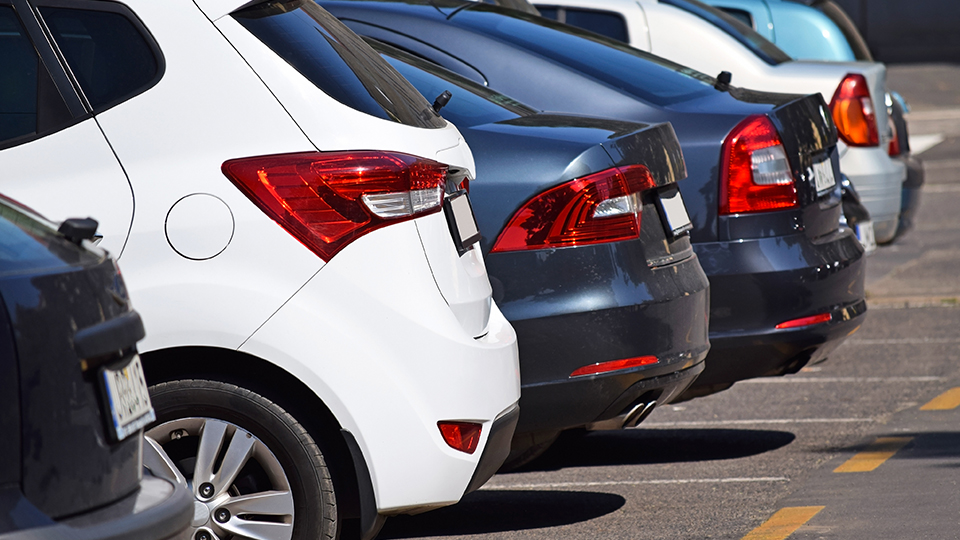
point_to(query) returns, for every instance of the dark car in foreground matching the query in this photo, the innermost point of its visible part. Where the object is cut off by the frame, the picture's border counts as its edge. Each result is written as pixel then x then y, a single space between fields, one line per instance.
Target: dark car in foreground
pixel 73 400
pixel 762 190
pixel 585 240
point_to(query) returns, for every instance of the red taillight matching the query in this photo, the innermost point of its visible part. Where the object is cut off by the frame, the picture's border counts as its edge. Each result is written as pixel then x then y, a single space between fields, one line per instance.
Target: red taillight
pixel 853 112
pixel 601 207
pixel 614 365
pixel 893 147
pixel 329 199
pixel 462 436
pixel 755 175
pixel 806 321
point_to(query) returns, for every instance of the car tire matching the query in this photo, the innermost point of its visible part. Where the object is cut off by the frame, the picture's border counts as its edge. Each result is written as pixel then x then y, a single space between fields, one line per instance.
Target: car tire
pixel 261 469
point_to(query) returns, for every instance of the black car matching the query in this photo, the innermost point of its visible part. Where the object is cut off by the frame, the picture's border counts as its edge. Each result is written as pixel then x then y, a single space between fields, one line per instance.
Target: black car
pixel 73 400
pixel 762 190
pixel 585 241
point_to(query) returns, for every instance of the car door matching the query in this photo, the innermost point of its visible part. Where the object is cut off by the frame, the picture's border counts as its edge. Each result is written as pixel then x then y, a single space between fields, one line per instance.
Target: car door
pixel 53 153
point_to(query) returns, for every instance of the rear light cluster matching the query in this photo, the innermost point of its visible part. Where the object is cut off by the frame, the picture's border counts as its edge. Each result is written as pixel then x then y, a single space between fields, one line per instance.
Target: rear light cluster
pixel 853 112
pixel 755 172
pixel 601 207
pixel 328 199
pixel 893 147
pixel 462 436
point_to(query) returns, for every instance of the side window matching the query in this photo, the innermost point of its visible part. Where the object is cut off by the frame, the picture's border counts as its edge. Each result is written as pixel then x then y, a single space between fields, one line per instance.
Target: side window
pixel 107 54
pixel 740 15
pixel 19 65
pixel 605 23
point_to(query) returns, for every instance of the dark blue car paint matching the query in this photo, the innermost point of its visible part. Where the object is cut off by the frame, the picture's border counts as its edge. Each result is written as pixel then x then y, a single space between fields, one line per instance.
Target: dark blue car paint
pixel 557 67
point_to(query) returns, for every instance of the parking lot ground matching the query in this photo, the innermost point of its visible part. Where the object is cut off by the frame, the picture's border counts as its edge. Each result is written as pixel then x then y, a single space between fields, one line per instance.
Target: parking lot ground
pixel 723 466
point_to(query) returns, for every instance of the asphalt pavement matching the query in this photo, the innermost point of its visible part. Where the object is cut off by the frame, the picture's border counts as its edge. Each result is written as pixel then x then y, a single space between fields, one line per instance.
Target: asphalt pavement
pixel 863 446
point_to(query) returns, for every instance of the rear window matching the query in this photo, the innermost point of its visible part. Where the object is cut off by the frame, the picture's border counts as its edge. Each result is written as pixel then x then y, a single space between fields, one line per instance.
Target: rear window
pixel 337 61
pixel 471 104
pixel 746 35
pixel 647 76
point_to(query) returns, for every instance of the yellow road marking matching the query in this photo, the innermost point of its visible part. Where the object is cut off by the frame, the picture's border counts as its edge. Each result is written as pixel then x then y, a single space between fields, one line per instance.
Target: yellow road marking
pixel 874 455
pixel 944 402
pixel 783 523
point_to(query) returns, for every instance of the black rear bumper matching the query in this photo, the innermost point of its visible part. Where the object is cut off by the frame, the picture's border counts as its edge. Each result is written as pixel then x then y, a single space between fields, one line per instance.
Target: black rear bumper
pixel 496 450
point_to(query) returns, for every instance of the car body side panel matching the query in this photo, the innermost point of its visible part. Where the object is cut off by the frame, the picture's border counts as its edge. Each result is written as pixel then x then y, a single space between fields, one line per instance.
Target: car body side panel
pixel 420 345
pixel 9 405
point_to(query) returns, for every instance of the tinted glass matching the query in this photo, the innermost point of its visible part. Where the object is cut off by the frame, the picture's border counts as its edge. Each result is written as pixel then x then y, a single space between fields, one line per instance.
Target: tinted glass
pixel 109 57
pixel 758 44
pixel 649 77
pixel 740 15
pixel 337 61
pixel 605 23
pixel 18 78
pixel 548 12
pixel 471 104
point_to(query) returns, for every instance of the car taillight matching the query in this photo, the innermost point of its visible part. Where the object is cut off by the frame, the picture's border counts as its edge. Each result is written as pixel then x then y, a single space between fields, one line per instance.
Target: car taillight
pixel 755 175
pixel 462 436
pixel 853 112
pixel 601 207
pixel 893 147
pixel 328 199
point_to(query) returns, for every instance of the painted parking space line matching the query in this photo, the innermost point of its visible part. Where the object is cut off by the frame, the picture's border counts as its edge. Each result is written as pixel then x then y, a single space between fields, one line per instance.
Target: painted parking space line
pixel 783 523
pixel 874 455
pixel 944 402
pixel 754 422
pixel 795 380
pixel 609 483
pixel 902 341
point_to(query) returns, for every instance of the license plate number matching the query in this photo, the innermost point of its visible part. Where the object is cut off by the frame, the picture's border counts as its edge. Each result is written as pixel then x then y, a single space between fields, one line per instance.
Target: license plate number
pixel 674 212
pixel 127 399
pixel 823 176
pixel 864 232
pixel 462 222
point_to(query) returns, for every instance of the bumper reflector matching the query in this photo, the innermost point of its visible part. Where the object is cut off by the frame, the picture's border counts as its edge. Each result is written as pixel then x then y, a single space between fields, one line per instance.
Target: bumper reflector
pixel 614 365
pixel 806 321
pixel 462 436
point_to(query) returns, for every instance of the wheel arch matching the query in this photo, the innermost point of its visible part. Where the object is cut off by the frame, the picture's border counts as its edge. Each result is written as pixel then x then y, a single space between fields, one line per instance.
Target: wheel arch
pixel 354 491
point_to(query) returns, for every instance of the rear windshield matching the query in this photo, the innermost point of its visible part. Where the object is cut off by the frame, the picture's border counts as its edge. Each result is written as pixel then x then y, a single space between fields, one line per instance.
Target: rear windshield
pixel 337 61
pixel 757 44
pixel 470 105
pixel 653 79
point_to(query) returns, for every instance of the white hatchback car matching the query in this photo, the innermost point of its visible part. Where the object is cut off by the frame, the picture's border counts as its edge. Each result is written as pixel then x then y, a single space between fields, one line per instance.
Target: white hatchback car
pixel 289 215
pixel 696 35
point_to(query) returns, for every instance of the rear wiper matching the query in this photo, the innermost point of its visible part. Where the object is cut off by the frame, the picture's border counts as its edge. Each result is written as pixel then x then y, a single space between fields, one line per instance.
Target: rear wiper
pixel 442 100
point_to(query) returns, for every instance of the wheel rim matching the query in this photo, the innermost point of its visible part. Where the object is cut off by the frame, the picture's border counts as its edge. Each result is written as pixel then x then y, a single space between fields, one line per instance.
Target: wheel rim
pixel 238 485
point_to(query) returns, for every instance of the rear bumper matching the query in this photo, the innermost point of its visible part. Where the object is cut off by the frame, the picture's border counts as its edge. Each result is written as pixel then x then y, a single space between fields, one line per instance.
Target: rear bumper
pixel 879 181
pixel 599 316
pixel 159 510
pixel 497 449
pixel 758 284
pixel 910 200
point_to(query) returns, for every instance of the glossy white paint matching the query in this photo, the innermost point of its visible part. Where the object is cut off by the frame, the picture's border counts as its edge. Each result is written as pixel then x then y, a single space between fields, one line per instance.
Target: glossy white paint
pixel 383 333
pixel 680 36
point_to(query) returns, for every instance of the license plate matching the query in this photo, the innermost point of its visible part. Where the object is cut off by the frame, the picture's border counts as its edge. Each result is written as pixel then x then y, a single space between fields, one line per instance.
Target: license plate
pixel 462 222
pixel 673 210
pixel 823 176
pixel 127 398
pixel 864 232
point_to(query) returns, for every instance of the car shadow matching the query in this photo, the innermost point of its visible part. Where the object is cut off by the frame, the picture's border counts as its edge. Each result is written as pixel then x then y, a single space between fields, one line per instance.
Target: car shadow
pixel 578 448
pixel 484 512
pixel 942 446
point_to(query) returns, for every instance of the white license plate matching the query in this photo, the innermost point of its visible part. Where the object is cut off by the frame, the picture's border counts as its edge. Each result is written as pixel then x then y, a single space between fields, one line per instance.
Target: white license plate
pixel 674 212
pixel 463 224
pixel 823 175
pixel 128 399
pixel 864 232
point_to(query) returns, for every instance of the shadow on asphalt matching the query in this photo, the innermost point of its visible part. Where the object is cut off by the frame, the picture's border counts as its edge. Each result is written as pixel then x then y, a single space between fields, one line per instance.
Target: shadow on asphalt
pixel 485 512
pixel 935 445
pixel 578 448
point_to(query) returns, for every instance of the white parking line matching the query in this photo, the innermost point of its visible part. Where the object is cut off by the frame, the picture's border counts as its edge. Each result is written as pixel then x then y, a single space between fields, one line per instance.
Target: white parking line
pixel 902 341
pixel 790 380
pixel 941 188
pixel 758 421
pixel 921 143
pixel 941 164
pixel 555 485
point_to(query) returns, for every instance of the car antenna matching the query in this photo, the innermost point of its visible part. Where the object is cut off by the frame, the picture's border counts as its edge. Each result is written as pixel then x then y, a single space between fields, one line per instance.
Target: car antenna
pixel 723 81
pixel 442 100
